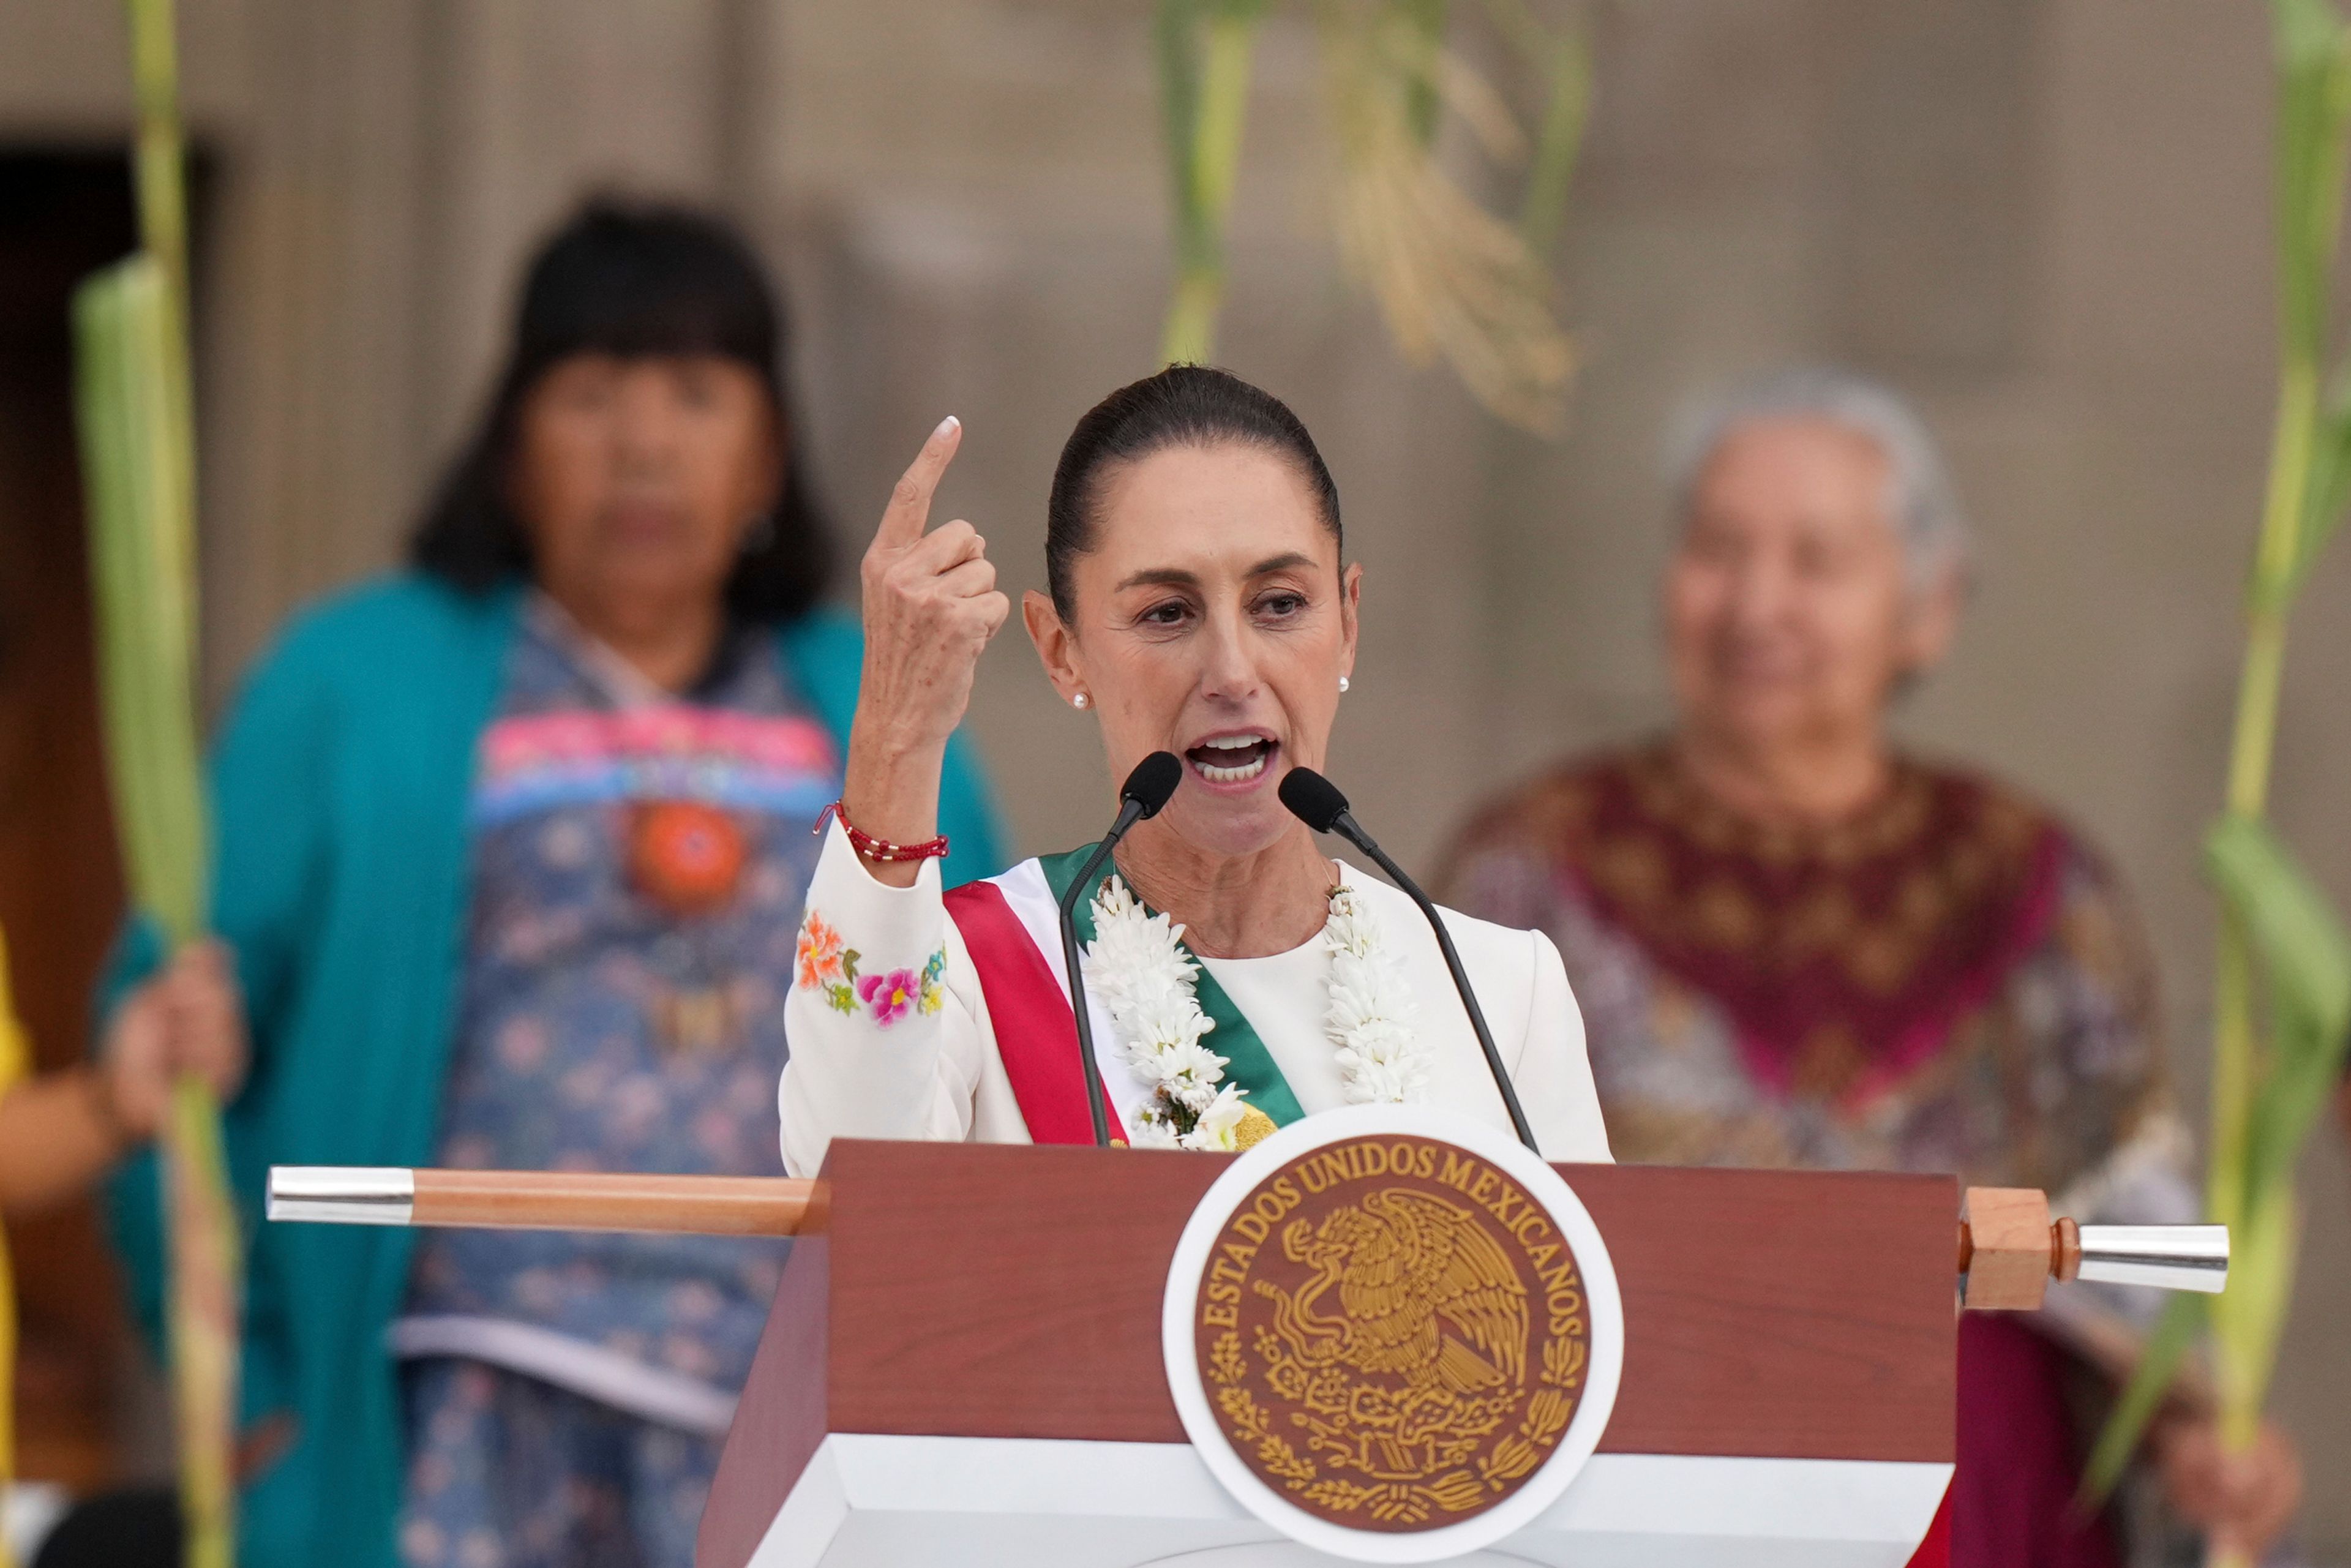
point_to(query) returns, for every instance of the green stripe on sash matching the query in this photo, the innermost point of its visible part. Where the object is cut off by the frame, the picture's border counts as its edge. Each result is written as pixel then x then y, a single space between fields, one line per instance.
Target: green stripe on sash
pixel 1248 1063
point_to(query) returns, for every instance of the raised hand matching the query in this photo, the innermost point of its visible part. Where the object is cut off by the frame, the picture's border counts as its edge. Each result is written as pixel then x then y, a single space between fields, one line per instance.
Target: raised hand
pixel 931 605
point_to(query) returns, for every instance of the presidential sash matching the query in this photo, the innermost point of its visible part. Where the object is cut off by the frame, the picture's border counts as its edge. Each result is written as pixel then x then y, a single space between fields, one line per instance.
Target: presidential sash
pixel 1011 927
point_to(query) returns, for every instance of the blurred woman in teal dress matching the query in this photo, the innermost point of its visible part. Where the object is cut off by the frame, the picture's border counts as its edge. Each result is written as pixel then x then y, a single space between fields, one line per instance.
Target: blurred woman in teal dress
pixel 512 848
pixel 1797 945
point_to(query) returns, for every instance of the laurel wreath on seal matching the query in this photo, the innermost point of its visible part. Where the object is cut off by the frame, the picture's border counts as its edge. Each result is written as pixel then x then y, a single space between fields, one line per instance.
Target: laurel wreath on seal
pixel 1331 1401
pixel 1546 1417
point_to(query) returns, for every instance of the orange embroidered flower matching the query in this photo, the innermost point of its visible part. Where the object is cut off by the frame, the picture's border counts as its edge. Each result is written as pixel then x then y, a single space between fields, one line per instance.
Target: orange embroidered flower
pixel 820 952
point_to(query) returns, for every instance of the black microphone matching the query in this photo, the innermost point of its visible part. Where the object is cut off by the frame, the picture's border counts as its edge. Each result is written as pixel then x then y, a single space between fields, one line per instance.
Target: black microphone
pixel 1316 802
pixel 1146 790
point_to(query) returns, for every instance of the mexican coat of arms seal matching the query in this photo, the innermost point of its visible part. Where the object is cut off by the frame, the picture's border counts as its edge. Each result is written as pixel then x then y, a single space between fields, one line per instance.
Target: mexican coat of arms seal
pixel 1392 1334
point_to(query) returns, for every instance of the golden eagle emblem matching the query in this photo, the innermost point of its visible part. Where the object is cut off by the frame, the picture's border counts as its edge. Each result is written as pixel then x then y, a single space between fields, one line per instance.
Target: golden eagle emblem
pixel 1383 1337
pixel 1423 1293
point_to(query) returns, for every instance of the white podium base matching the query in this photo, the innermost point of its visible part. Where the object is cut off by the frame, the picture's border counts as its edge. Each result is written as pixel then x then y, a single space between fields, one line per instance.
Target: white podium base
pixel 868 1502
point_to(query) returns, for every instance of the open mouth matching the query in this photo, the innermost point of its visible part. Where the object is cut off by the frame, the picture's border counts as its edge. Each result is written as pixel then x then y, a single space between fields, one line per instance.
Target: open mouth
pixel 1232 758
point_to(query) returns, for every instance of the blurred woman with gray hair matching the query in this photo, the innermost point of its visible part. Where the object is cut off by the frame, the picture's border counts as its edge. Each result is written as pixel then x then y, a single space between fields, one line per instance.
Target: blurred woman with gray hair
pixel 1796 946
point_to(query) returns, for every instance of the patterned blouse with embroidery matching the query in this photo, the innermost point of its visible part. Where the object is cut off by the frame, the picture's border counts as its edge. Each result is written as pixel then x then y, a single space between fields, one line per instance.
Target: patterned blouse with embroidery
pixel 1950 981
pixel 639 865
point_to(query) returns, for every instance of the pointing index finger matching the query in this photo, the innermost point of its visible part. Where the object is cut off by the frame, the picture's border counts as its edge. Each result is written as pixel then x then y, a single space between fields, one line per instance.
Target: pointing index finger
pixel 909 511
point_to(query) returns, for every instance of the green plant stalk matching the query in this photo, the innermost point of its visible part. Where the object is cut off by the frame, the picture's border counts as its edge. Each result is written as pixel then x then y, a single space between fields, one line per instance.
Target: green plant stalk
pixel 143 588
pixel 2249 1316
pixel 1563 61
pixel 2237 1053
pixel 137 417
pixel 2282 978
pixel 2246 1320
pixel 2167 1346
pixel 2236 1044
pixel 1209 166
pixel 160 173
pixel 2235 1047
pixel 2243 1320
pixel 203 1323
pixel 1566 113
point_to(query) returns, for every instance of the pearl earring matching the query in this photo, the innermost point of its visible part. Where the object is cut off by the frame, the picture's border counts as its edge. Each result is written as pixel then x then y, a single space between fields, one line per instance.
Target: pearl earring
pixel 1342 682
pixel 1078 701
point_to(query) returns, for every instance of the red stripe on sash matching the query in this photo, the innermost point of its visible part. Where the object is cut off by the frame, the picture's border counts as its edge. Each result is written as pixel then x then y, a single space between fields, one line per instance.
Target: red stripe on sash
pixel 1034 1033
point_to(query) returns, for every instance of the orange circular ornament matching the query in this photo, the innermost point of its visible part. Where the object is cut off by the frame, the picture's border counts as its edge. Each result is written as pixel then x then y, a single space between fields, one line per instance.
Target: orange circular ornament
pixel 685 856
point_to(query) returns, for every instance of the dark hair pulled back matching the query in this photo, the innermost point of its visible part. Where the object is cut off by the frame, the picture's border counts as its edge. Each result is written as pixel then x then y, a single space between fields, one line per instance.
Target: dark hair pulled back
pixel 1183 405
pixel 633 280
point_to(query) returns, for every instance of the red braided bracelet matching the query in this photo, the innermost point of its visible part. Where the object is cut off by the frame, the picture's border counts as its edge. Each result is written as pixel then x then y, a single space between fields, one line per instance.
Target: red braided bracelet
pixel 876 848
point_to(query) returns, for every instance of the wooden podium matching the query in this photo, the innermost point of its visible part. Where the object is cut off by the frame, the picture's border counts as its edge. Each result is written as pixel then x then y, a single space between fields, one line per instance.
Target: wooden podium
pixel 964 1366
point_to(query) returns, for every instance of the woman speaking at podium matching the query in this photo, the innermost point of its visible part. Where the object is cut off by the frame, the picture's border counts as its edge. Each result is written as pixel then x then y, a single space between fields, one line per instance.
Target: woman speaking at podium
pixel 1237 977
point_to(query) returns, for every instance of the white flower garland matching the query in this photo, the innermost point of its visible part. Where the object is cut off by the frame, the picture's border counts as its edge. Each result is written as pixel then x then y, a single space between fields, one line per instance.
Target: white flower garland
pixel 1373 1020
pixel 1140 970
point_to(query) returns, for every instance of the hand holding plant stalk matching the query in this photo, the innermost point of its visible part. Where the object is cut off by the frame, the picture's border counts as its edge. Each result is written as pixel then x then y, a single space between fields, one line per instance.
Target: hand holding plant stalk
pixel 2282 983
pixel 134 407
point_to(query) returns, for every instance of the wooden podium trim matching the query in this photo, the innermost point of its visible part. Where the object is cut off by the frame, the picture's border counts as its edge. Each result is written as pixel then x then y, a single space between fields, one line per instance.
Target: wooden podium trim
pixel 1010 1292
pixel 597 1200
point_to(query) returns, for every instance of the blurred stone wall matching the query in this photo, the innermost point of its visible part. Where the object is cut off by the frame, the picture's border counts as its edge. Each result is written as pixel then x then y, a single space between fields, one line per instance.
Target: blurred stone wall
pixel 2048 222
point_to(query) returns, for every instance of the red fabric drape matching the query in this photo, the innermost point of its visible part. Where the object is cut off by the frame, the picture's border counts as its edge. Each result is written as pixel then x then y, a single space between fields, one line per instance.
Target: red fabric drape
pixel 2011 1499
pixel 1035 1034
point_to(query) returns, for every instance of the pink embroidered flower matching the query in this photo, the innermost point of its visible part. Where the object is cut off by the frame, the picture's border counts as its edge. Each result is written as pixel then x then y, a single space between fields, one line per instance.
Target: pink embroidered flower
pixel 887 996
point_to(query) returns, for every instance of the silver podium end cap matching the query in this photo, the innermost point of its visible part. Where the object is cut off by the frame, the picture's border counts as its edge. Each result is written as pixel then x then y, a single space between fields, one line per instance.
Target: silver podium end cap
pixel 344 1195
pixel 2168 1257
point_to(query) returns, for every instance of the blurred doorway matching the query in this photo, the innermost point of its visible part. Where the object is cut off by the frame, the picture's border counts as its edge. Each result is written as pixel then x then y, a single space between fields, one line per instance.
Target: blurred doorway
pixel 63 213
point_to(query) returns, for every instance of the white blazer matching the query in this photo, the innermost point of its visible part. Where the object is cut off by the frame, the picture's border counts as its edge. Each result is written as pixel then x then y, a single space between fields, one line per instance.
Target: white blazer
pixel 933 1072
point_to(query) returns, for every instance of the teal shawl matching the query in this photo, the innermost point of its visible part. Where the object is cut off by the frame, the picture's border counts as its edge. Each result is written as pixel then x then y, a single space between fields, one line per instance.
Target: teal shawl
pixel 339 785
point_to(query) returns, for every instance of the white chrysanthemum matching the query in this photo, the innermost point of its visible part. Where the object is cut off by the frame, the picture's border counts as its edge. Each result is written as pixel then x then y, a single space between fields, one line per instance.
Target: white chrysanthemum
pixel 1351 928
pixel 1153 1130
pixel 1214 1129
pixel 1190 1073
pixel 1138 969
pixel 1373 1018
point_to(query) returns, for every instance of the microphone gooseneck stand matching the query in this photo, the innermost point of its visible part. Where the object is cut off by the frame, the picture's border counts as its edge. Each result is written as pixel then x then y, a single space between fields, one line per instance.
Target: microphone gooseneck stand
pixel 1146 789
pixel 1316 802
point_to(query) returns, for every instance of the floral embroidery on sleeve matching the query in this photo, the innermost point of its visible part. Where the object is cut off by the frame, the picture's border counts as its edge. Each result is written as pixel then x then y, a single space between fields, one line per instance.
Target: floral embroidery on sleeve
pixel 889 996
pixel 828 966
pixel 932 996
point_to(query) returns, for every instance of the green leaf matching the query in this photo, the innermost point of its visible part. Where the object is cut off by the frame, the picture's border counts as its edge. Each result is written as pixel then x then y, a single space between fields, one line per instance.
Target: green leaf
pixel 2314 58
pixel 1193 44
pixel 1175 50
pixel 137 479
pixel 1205 50
pixel 2166 1348
pixel 1566 111
pixel 2305 952
pixel 2328 493
pixel 1424 22
pixel 1563 61
pixel 2293 929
